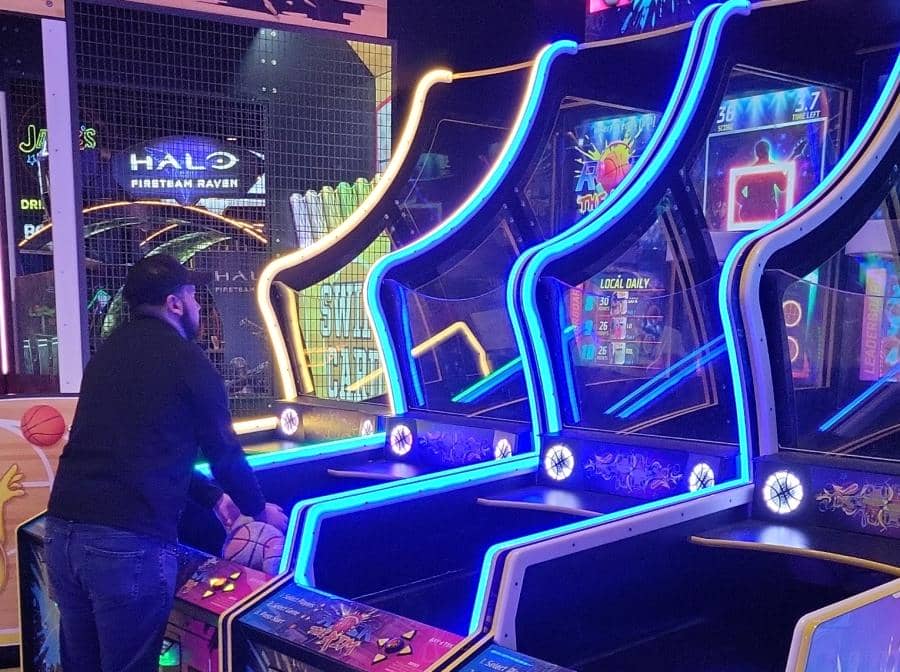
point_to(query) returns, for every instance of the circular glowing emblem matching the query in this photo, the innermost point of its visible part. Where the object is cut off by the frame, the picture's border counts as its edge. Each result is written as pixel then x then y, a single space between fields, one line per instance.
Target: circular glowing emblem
pixel 793 348
pixel 701 477
pixel 782 492
pixel 559 462
pixel 502 449
pixel 401 440
pixel 793 312
pixel 367 427
pixel 289 421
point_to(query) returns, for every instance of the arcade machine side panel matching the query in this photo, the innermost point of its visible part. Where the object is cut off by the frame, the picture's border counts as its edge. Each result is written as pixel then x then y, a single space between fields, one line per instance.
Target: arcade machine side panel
pixel 299 629
pixel 860 631
pixel 38 613
pixel 209 587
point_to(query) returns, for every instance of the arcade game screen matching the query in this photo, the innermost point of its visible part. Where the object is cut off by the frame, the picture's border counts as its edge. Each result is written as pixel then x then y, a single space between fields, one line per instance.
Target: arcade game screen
pixel 621 313
pixel 640 317
pixel 620 308
pixel 767 151
pixel 600 153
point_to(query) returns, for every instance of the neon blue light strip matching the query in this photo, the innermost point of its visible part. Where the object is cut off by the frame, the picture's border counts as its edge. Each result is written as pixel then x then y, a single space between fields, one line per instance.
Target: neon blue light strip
pixel 383 266
pixel 659 377
pixel 307 452
pixel 566 355
pixel 672 382
pixel 491 558
pixel 489 383
pixel 860 399
pixel 406 331
pixel 522 290
pixel 365 498
pixel 289 538
pixel 731 270
pixel 297 509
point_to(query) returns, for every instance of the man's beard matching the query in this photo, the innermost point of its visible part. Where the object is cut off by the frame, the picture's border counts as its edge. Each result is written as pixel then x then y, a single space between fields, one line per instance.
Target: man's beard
pixel 191 330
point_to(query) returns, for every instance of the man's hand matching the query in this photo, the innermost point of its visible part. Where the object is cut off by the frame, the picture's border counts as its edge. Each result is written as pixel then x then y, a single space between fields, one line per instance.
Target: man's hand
pixel 273 515
pixel 227 512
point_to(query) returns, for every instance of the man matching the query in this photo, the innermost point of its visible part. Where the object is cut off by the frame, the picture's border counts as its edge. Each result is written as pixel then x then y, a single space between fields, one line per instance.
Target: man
pixel 149 399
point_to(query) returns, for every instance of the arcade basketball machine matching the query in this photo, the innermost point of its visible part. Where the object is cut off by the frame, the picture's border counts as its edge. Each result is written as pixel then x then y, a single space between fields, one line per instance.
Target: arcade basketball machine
pixel 580 507
pixel 293 623
pixel 469 400
pixel 312 301
pixel 345 465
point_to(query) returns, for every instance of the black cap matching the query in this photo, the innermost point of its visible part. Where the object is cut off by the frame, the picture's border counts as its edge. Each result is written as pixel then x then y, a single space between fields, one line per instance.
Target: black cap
pixel 154 277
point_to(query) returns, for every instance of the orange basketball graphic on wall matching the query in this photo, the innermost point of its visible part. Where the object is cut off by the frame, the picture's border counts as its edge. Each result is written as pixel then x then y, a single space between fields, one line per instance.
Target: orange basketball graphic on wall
pixel 42 425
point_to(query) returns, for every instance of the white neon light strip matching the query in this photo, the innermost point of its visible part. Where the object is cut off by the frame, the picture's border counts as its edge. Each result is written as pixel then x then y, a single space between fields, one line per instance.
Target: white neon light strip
pixel 4 268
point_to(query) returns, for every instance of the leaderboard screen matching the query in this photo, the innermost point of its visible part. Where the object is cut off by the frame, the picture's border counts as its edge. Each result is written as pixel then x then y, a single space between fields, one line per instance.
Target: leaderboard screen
pixel 880 339
pixel 620 318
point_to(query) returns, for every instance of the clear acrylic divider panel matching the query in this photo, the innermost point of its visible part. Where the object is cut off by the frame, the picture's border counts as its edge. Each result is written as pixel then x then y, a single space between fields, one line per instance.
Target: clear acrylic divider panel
pixel 341 351
pixel 462 340
pixel 844 352
pixel 641 359
pixel 840 331
pixel 466 355
pixel 448 170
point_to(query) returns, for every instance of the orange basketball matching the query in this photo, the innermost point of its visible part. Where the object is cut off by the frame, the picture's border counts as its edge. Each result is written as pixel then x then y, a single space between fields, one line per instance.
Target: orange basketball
pixel 256 545
pixel 42 425
pixel 615 163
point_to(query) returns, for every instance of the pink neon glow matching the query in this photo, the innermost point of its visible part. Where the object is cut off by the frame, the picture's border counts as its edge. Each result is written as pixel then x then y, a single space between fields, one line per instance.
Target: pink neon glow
pixel 4 346
pixel 788 169
pixel 595 6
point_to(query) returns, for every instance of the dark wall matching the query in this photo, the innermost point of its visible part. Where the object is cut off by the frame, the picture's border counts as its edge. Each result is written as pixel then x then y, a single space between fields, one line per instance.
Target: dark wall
pixel 473 34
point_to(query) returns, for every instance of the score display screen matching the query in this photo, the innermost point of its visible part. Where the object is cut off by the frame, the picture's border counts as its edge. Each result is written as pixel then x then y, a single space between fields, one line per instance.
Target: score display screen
pixel 622 316
pixel 765 153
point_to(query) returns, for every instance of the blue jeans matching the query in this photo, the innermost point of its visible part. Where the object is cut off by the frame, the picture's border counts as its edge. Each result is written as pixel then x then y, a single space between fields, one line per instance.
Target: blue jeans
pixel 115 590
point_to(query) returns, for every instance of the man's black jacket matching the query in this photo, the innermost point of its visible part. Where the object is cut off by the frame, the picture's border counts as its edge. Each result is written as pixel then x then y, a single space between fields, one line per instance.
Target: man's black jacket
pixel 149 400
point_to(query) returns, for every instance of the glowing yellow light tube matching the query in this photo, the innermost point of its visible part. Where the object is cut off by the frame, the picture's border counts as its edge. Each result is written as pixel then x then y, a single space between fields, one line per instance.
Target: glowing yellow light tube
pixel 461 328
pixel 268 274
pixel 243 226
pixel 254 425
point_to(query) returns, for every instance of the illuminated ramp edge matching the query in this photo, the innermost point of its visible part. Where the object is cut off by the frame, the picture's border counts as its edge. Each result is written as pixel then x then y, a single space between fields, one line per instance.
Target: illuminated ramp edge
pixel 861 632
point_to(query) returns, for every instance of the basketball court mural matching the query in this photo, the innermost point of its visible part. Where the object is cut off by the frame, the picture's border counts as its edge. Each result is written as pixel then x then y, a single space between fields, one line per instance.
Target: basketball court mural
pixel 33 431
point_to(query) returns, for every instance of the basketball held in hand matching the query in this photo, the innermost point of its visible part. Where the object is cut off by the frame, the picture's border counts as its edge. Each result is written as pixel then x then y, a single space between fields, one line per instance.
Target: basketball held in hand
pixel 42 425
pixel 256 545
